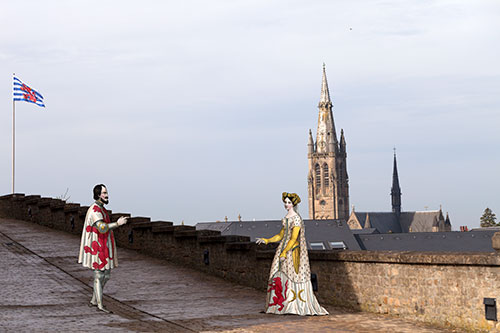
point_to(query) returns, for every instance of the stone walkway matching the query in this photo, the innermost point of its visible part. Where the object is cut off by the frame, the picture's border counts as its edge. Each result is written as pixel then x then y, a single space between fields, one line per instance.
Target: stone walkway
pixel 43 289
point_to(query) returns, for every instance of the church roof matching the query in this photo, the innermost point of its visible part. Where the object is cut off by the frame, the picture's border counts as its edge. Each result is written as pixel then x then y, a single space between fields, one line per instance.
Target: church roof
pixel 384 222
pixel 419 221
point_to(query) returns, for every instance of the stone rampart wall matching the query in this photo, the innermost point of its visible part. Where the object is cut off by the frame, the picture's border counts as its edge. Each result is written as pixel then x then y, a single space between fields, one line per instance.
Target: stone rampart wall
pixel 439 288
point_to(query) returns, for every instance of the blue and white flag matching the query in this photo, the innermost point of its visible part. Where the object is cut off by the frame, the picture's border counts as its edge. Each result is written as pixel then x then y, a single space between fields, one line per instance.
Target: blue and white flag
pixel 24 93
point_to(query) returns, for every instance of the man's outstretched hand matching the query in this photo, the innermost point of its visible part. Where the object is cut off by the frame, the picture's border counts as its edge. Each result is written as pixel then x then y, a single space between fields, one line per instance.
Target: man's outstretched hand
pixel 122 220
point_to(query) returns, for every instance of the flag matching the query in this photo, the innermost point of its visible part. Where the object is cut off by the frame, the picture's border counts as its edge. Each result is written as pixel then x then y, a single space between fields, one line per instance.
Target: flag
pixel 24 93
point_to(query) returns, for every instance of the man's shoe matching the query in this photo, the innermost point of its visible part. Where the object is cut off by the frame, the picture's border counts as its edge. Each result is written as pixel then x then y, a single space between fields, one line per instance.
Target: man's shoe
pixel 103 309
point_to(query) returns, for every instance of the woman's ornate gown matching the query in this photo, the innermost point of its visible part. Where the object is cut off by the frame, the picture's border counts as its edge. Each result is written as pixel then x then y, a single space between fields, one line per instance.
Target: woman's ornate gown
pixel 289 287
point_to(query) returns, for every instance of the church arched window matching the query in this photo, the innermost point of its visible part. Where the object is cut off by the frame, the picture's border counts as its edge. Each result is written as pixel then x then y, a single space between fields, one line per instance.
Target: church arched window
pixel 326 175
pixel 318 177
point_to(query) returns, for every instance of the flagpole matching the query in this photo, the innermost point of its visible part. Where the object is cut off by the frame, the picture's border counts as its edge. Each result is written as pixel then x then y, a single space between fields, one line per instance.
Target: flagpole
pixel 13 138
pixel 13 142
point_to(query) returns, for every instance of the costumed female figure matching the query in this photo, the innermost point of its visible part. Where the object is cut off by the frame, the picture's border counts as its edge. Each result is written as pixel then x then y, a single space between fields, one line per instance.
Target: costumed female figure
pixel 289 287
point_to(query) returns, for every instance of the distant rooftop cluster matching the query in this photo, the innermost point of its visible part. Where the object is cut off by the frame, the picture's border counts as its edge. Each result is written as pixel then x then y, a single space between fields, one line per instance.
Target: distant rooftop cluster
pixel 336 235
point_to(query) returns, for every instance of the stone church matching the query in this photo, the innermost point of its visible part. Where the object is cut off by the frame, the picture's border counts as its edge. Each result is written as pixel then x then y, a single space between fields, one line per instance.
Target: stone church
pixel 398 221
pixel 328 184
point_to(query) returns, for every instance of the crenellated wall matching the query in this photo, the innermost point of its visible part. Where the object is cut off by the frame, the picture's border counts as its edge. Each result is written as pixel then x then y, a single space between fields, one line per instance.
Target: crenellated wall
pixel 446 289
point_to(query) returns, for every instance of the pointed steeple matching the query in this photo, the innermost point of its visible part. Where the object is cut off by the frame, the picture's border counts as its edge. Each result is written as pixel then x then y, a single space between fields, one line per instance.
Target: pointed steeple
pixel 310 144
pixel 367 221
pixel 447 222
pixel 441 217
pixel 342 141
pixel 435 224
pixel 326 127
pixel 325 100
pixel 395 190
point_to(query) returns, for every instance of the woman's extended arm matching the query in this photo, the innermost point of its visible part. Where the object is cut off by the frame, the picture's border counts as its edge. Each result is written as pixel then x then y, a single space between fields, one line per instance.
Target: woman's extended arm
pixel 273 239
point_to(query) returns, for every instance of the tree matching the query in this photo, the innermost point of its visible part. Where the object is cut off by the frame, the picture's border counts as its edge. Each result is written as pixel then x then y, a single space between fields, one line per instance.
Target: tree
pixel 488 218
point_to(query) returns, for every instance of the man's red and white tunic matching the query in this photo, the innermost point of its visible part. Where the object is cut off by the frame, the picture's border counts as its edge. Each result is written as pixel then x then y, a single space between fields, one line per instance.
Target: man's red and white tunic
pixel 97 247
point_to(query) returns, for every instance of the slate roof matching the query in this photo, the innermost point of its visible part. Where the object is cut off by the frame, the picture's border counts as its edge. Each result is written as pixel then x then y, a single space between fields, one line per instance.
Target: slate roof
pixel 216 226
pixel 446 241
pixel 365 231
pixel 326 231
pixel 419 221
pixel 384 222
pixel 323 231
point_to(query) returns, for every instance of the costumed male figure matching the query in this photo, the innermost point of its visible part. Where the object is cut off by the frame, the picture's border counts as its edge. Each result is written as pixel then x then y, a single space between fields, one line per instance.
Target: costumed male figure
pixel 97 247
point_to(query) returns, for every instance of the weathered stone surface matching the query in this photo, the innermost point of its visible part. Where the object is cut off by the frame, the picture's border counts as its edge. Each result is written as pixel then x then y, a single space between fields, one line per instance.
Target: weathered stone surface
pixel 495 240
pixel 440 288
pixel 49 292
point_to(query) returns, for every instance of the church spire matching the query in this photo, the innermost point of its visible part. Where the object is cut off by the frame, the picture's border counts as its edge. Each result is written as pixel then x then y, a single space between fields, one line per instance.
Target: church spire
pixel 326 134
pixel 310 144
pixel 324 100
pixel 342 141
pixel 395 190
pixel 328 182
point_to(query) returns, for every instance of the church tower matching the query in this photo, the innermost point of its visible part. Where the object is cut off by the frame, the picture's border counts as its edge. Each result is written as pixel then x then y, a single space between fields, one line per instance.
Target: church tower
pixel 327 180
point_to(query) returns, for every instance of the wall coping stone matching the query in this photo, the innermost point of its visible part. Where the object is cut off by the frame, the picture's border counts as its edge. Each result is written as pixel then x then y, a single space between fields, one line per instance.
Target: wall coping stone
pixel 207 233
pixel 115 216
pixel 32 199
pixel 71 207
pixel 409 257
pixel 149 224
pixel 136 219
pixel 163 229
pixel 18 197
pixel 185 234
pixel 160 224
pixel 56 204
pixel 44 202
pixel 11 196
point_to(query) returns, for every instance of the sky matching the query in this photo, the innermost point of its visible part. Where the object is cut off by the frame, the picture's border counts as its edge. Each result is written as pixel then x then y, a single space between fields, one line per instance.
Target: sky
pixel 190 111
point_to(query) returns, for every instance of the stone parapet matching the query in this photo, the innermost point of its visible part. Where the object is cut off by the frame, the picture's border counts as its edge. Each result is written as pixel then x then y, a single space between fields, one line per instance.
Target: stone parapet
pixel 409 257
pixel 446 289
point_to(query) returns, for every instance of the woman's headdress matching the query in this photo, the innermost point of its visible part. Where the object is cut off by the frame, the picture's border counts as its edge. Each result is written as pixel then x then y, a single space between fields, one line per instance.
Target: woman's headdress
pixel 294 198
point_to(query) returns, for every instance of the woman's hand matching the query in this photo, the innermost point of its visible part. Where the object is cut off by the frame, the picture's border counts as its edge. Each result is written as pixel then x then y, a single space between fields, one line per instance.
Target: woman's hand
pixel 261 241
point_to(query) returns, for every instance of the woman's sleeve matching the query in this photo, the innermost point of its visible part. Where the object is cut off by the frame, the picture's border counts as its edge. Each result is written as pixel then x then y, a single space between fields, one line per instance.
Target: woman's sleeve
pixel 293 239
pixel 275 238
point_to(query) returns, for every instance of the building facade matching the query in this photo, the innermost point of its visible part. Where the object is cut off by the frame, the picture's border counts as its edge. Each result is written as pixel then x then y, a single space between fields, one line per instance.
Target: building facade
pixel 328 183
